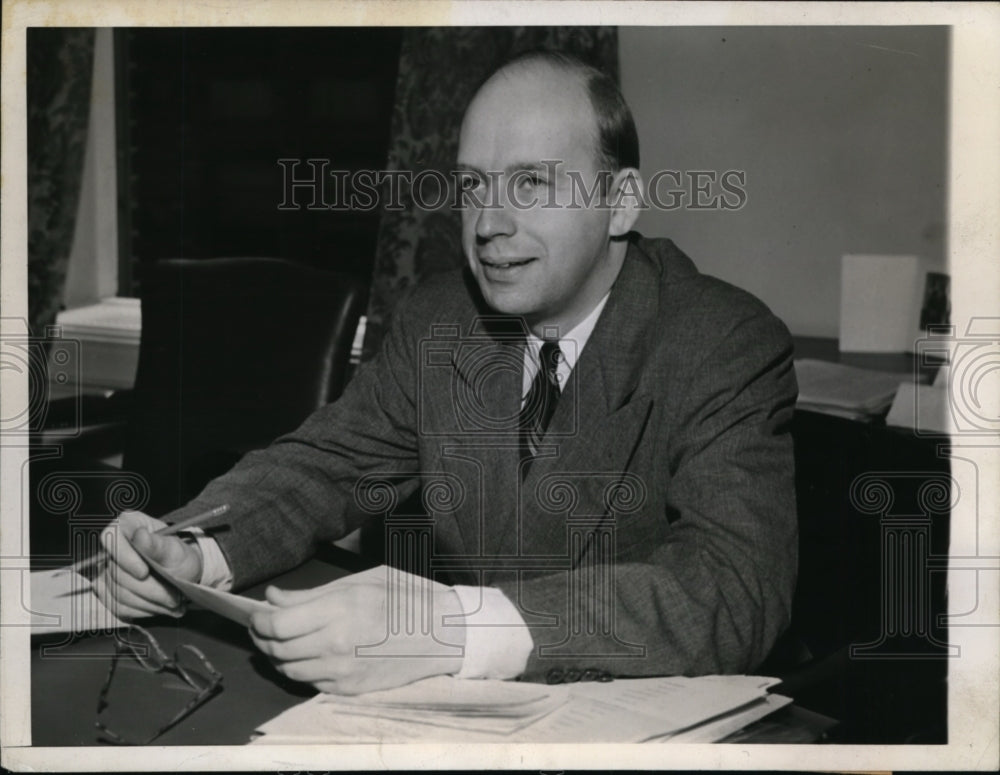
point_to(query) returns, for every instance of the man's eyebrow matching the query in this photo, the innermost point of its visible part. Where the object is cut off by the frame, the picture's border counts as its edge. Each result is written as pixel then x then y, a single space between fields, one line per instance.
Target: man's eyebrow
pixel 518 166
pixel 528 166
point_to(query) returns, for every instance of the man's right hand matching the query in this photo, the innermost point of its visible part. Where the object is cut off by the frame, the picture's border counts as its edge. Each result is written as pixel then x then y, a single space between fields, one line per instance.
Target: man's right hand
pixel 126 586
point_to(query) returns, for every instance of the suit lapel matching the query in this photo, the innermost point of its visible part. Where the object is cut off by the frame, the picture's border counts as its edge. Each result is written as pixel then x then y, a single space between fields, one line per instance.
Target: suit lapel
pixel 591 438
pixel 600 417
pixel 487 401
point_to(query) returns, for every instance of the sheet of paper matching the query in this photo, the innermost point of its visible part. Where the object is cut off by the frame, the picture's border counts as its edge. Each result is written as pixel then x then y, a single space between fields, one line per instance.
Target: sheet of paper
pixel 316 722
pixel 759 682
pixel 502 726
pixel 584 719
pixel 498 707
pixel 922 407
pixel 880 298
pixel 441 693
pixel 235 607
pixel 239 608
pixel 674 702
pixel 715 730
pixel 64 601
pixel 824 384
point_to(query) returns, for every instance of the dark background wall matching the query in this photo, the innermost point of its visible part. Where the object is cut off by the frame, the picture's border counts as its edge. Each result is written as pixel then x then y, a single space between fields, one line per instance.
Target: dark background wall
pixel 204 117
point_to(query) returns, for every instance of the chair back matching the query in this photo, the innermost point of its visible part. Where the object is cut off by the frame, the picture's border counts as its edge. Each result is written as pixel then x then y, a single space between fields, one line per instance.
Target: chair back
pixel 234 352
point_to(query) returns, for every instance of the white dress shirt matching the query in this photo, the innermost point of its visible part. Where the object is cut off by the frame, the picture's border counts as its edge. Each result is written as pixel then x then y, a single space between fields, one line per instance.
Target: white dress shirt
pixel 497 641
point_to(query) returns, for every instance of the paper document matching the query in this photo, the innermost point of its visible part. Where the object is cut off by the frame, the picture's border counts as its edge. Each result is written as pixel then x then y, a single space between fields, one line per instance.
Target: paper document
pixel 922 407
pixel 64 601
pixel 318 723
pixel 638 709
pixel 844 390
pixel 880 299
pixel 239 608
pixel 235 607
pixel 499 707
pixel 716 729
pixel 447 709
pixel 449 695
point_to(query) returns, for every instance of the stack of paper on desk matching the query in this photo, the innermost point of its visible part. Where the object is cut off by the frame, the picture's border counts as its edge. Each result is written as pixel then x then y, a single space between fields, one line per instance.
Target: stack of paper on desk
pixel 716 729
pixel 490 706
pixel 844 391
pixel 446 709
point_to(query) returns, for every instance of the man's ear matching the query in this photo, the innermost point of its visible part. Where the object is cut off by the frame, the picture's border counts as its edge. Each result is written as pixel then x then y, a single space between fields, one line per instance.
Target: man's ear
pixel 627 199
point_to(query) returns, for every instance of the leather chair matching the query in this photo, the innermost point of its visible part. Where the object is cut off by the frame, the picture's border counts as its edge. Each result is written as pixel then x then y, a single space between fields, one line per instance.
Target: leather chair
pixel 234 352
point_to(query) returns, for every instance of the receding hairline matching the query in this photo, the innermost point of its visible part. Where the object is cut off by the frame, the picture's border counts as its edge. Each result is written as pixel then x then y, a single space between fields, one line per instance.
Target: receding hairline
pixel 551 61
pixel 579 73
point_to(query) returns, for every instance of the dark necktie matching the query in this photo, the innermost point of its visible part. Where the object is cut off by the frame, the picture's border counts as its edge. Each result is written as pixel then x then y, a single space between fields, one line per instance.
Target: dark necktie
pixel 540 404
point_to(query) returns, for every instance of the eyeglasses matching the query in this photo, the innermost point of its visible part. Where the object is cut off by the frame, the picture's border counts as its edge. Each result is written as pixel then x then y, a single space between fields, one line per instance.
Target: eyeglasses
pixel 121 704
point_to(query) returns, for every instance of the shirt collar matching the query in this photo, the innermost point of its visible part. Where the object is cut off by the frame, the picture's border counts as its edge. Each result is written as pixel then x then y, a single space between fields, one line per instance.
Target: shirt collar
pixel 571 345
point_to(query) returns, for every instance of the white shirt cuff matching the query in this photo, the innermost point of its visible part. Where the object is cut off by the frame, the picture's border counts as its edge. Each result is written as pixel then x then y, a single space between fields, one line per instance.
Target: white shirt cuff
pixel 497 641
pixel 215 570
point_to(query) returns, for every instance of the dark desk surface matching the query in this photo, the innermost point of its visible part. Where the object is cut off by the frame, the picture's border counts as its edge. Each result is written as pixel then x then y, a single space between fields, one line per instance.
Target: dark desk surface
pixel 826 349
pixel 67 677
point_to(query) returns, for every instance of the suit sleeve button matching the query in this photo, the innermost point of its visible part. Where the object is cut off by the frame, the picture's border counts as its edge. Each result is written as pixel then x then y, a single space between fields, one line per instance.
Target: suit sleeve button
pixel 590 674
pixel 605 677
pixel 554 676
pixel 573 675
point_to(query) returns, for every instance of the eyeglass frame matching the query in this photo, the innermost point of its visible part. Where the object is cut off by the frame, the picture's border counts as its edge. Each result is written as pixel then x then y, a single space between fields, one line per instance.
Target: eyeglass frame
pixel 166 664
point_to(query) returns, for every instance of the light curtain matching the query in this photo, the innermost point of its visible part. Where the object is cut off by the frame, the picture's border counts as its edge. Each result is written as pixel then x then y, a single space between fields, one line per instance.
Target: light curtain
pixel 59 73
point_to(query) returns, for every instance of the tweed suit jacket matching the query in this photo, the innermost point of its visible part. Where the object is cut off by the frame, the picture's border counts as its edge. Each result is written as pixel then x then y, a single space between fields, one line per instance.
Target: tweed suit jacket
pixel 654 534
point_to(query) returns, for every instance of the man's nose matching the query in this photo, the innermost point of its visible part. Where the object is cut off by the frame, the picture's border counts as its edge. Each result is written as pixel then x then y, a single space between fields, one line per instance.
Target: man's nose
pixel 495 219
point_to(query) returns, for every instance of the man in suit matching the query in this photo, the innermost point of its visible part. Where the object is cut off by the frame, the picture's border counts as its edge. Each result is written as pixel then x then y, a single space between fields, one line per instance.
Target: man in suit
pixel 601 433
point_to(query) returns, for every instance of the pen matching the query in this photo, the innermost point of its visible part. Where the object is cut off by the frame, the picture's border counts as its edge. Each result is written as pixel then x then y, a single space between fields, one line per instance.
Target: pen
pixel 166 530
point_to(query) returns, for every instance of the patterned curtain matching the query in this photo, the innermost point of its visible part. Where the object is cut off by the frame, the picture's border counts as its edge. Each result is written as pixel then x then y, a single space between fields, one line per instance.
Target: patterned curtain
pixel 59 71
pixel 439 70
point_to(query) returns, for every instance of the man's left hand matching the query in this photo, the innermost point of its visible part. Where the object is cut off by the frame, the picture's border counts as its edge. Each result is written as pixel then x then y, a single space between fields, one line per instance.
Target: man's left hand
pixel 324 636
